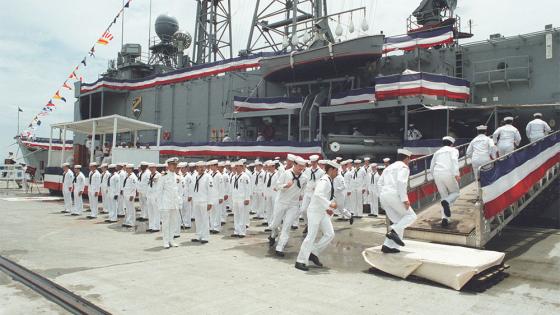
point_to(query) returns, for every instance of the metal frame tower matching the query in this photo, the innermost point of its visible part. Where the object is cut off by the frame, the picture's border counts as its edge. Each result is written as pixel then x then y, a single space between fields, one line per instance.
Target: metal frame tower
pixel 274 21
pixel 212 35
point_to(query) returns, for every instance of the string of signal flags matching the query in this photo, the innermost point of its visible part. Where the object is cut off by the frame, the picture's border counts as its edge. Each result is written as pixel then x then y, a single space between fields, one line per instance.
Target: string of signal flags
pixel 58 98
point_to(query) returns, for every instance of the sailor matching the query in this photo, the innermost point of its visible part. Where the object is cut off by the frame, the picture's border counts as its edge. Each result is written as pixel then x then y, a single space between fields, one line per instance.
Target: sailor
pixel 67 184
pixel 340 191
pixel 313 174
pixel 152 199
pixel 445 171
pixel 258 183
pixel 394 199
pixel 291 186
pixel 216 197
pixel 481 150
pixel 260 137
pixel 226 138
pixel 319 213
pixel 185 212
pixel 181 186
pixel 143 178
pixel 224 171
pixel 347 173
pixel 169 197
pixel 270 191
pixel 238 137
pixel 357 190
pixel 367 162
pixel 128 193
pixel 104 182
pixel 537 128
pixel 94 187
pixel 120 203
pixel 506 137
pixel 113 193
pixel 386 161
pixel 413 133
pixel 203 199
pixel 356 132
pixel 373 192
pixel 241 196
pixel 78 189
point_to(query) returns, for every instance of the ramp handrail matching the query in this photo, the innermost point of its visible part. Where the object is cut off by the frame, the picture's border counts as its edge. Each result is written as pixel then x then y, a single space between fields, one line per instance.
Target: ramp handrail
pixel 509 183
pixel 426 160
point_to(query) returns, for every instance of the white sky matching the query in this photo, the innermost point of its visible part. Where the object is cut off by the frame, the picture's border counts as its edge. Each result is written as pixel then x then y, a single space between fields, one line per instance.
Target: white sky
pixel 41 41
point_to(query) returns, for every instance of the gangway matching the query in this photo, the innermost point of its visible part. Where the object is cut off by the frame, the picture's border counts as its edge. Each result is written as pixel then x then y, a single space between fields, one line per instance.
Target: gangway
pixel 507 185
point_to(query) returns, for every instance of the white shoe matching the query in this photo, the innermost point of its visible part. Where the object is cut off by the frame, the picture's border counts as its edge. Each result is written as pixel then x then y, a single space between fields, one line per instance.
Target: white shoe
pixel 166 246
pixel 173 244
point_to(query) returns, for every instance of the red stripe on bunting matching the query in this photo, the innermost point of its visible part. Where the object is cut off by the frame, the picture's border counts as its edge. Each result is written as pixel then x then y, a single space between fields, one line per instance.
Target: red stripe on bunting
pixel 506 199
pixel 390 48
pixel 381 95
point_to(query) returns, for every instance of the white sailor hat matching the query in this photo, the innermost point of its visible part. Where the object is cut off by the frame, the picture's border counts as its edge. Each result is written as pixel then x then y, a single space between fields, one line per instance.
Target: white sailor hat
pixel 367 158
pixel 182 164
pixel 257 162
pixel 537 115
pixel 235 163
pixel 404 152
pixel 200 163
pixel 152 165
pixel 66 164
pixel 228 162
pixel 243 161
pixel 221 164
pixel 481 127
pixel 192 164
pixel 172 160
pixel 291 157
pixel 411 125
pixel 162 165
pixel 123 164
pixel 143 163
pixel 77 166
pixel 103 165
pixel 93 164
pixel 357 161
pixel 380 167
pixel 373 165
pixel 345 162
pixel 508 118
pixel 277 158
pixel 130 165
pixel 112 165
pixel 386 160
pixel 300 161
pixel 314 158
pixel 332 163
pixel 338 158
pixel 448 138
pixel 212 162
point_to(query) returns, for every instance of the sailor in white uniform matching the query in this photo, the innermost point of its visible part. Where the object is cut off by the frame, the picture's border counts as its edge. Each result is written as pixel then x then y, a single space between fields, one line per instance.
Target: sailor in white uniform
pixel 386 161
pixel 241 197
pixel 481 150
pixel 313 173
pixel 413 133
pixel 271 192
pixel 152 198
pixel 506 137
pixel 340 191
pixel 393 196
pixel 224 173
pixel 445 171
pixel 104 182
pixel 120 202
pixel 78 189
pixel 169 199
pixel 257 181
pixel 143 178
pixel 203 199
pixel 216 197
pixel 113 193
pixel 537 128
pixel 357 190
pixel 128 193
pixel 94 187
pixel 67 184
pixel 291 186
pixel 373 192
pixel 319 212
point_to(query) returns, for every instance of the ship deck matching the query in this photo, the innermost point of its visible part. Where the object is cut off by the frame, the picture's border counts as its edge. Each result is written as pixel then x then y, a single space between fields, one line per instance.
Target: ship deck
pixel 127 271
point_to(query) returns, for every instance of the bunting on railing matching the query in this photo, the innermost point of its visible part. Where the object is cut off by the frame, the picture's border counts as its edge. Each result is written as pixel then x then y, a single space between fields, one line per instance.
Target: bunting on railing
pixel 250 104
pixel 74 76
pixel 425 39
pixel 364 95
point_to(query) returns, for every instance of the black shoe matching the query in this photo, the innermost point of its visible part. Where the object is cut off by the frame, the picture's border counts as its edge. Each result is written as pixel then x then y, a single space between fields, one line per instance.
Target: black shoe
pixel 294 227
pixel 271 241
pixel 214 232
pixel 154 231
pixel 315 260
pixel 126 226
pixel 223 223
pixel 203 242
pixel 74 214
pixel 257 218
pixel 335 215
pixel 394 237
pixel 195 240
pixel 230 214
pixel 64 211
pixel 301 266
pixel 113 221
pixel 341 219
pixel 252 212
pixel 90 217
pixel 120 216
pixel 267 230
pixel 192 220
pixel 149 230
pixel 176 236
pixel 301 219
pixel 444 222
pixel 234 235
pixel 351 220
pixel 264 224
pixel 305 230
pixel 371 215
pixel 107 221
pixel 241 236
pixel 279 253
pixel 446 209
pixel 389 250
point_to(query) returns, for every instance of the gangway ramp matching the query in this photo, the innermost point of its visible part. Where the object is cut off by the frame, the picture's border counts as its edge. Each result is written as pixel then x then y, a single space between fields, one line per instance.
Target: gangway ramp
pixel 506 187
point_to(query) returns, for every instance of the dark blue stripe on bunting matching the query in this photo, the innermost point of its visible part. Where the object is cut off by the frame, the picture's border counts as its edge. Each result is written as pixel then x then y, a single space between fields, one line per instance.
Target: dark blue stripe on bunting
pixel 413 36
pixel 504 167
pixel 268 100
pixel 421 76
pixel 368 90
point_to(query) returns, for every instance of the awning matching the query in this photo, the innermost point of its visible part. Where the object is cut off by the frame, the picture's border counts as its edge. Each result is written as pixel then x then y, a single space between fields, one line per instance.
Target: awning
pixel 106 125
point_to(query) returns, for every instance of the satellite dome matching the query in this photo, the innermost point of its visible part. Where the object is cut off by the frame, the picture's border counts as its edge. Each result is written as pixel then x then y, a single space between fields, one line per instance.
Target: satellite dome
pixel 166 26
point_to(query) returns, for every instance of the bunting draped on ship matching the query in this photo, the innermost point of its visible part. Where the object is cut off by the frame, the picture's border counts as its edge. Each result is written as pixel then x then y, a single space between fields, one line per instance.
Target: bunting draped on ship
pixel 412 83
pixel 242 149
pixel 425 39
pixel 511 178
pixel 179 75
pixel 365 95
pixel 65 87
pixel 249 104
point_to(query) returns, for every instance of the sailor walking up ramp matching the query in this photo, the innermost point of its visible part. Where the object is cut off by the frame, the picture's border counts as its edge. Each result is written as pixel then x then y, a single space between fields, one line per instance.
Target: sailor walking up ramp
pixel 452 266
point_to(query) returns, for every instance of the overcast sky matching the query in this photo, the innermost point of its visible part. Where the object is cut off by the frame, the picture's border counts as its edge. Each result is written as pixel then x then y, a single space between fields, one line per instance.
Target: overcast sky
pixel 41 41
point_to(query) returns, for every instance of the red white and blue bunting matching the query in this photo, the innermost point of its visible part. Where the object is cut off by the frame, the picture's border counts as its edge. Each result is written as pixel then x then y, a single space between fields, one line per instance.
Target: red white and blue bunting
pixel 365 95
pixel 250 104
pixel 425 39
